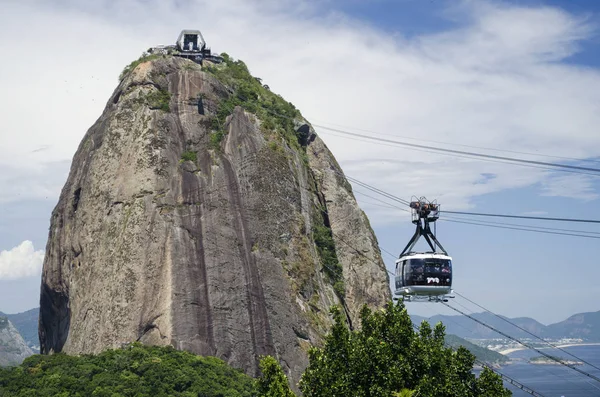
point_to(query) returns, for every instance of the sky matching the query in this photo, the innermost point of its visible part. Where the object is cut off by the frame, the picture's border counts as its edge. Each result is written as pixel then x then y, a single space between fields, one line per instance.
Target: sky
pixel 490 76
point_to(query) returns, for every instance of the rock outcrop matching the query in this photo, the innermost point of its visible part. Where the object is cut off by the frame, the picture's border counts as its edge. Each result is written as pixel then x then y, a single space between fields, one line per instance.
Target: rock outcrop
pixel 13 349
pixel 202 211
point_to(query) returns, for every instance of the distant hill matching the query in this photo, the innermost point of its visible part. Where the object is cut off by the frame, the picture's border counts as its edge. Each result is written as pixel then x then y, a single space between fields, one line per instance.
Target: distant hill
pixel 486 355
pixel 583 325
pixel 27 325
pixel 13 349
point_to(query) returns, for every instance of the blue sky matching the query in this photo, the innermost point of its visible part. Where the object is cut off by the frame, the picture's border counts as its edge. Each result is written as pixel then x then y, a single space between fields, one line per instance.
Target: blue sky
pixel 508 75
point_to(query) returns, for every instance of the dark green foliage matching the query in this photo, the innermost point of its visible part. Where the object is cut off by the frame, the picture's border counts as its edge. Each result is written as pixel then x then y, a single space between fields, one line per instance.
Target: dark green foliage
pixel 189 156
pixel 273 382
pixel 272 110
pixel 216 138
pixel 326 249
pixel 134 371
pixel 159 100
pixel 133 65
pixel 386 356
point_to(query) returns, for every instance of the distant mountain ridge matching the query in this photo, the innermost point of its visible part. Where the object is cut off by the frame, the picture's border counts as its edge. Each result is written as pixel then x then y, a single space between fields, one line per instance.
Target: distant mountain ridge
pixel 27 324
pixel 584 326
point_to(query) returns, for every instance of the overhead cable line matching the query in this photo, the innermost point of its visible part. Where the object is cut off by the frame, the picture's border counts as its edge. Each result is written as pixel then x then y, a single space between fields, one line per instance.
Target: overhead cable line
pixel 464 156
pixel 525 330
pixel 541 218
pixel 386 204
pixel 595 171
pixel 486 222
pixel 467 146
pixel 374 189
pixel 523 343
pixel 525 229
pixel 405 202
pixel 540 229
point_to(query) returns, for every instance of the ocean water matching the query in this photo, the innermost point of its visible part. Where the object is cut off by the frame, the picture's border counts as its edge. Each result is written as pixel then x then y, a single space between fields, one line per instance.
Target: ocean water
pixel 556 380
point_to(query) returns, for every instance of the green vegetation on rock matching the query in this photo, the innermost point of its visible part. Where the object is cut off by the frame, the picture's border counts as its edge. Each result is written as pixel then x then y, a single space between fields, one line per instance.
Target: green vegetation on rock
pixel 326 249
pixel 189 156
pixel 133 371
pixel 274 112
pixel 159 99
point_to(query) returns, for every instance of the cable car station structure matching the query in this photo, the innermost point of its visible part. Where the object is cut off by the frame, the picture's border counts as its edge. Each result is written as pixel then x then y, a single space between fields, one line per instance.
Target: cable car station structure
pixel 190 45
pixel 424 276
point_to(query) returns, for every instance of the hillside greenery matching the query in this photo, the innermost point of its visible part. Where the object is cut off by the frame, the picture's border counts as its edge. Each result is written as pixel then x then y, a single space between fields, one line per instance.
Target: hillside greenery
pixel 274 112
pixel 133 371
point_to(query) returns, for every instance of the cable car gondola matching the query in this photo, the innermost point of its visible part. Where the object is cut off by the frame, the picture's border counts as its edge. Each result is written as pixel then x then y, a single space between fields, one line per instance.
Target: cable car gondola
pixel 424 276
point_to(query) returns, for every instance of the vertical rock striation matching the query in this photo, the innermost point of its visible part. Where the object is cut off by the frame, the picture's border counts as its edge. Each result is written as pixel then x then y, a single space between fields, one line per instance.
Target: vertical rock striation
pixel 203 212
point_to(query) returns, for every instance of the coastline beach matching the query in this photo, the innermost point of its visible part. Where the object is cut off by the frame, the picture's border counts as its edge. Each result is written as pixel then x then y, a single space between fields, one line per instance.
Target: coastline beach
pixel 515 349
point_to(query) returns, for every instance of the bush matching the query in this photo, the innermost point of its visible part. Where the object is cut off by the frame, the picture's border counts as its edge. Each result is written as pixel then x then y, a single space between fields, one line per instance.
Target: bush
pixel 159 99
pixel 216 138
pixel 189 156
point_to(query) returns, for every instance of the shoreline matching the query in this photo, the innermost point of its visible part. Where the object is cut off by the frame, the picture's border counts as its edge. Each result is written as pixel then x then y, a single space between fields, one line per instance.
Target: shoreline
pixel 515 349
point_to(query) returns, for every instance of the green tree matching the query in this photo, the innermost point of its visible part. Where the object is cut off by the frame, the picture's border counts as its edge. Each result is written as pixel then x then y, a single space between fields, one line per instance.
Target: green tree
pixel 386 357
pixel 273 382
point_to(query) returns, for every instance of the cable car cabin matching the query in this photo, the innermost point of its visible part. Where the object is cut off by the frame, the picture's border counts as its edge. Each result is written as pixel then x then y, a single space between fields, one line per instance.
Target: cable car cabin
pixel 423 276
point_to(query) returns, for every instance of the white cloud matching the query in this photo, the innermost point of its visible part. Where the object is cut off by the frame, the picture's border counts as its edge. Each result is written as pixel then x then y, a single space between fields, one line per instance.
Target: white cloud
pixel 496 81
pixel 571 186
pixel 21 261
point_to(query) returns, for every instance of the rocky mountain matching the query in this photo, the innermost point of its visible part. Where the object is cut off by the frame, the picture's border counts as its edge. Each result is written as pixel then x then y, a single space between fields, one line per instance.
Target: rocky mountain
pixel 27 325
pixel 202 211
pixel 583 325
pixel 13 349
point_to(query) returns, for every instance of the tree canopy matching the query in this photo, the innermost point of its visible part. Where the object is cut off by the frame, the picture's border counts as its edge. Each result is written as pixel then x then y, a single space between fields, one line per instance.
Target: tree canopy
pixel 133 371
pixel 387 357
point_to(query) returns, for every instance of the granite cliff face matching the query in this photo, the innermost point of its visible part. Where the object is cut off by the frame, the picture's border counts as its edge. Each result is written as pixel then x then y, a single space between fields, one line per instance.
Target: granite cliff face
pixel 202 211
pixel 13 349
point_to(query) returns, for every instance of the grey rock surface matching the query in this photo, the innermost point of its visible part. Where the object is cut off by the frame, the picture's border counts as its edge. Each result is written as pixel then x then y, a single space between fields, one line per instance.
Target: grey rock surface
pixel 213 255
pixel 13 349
